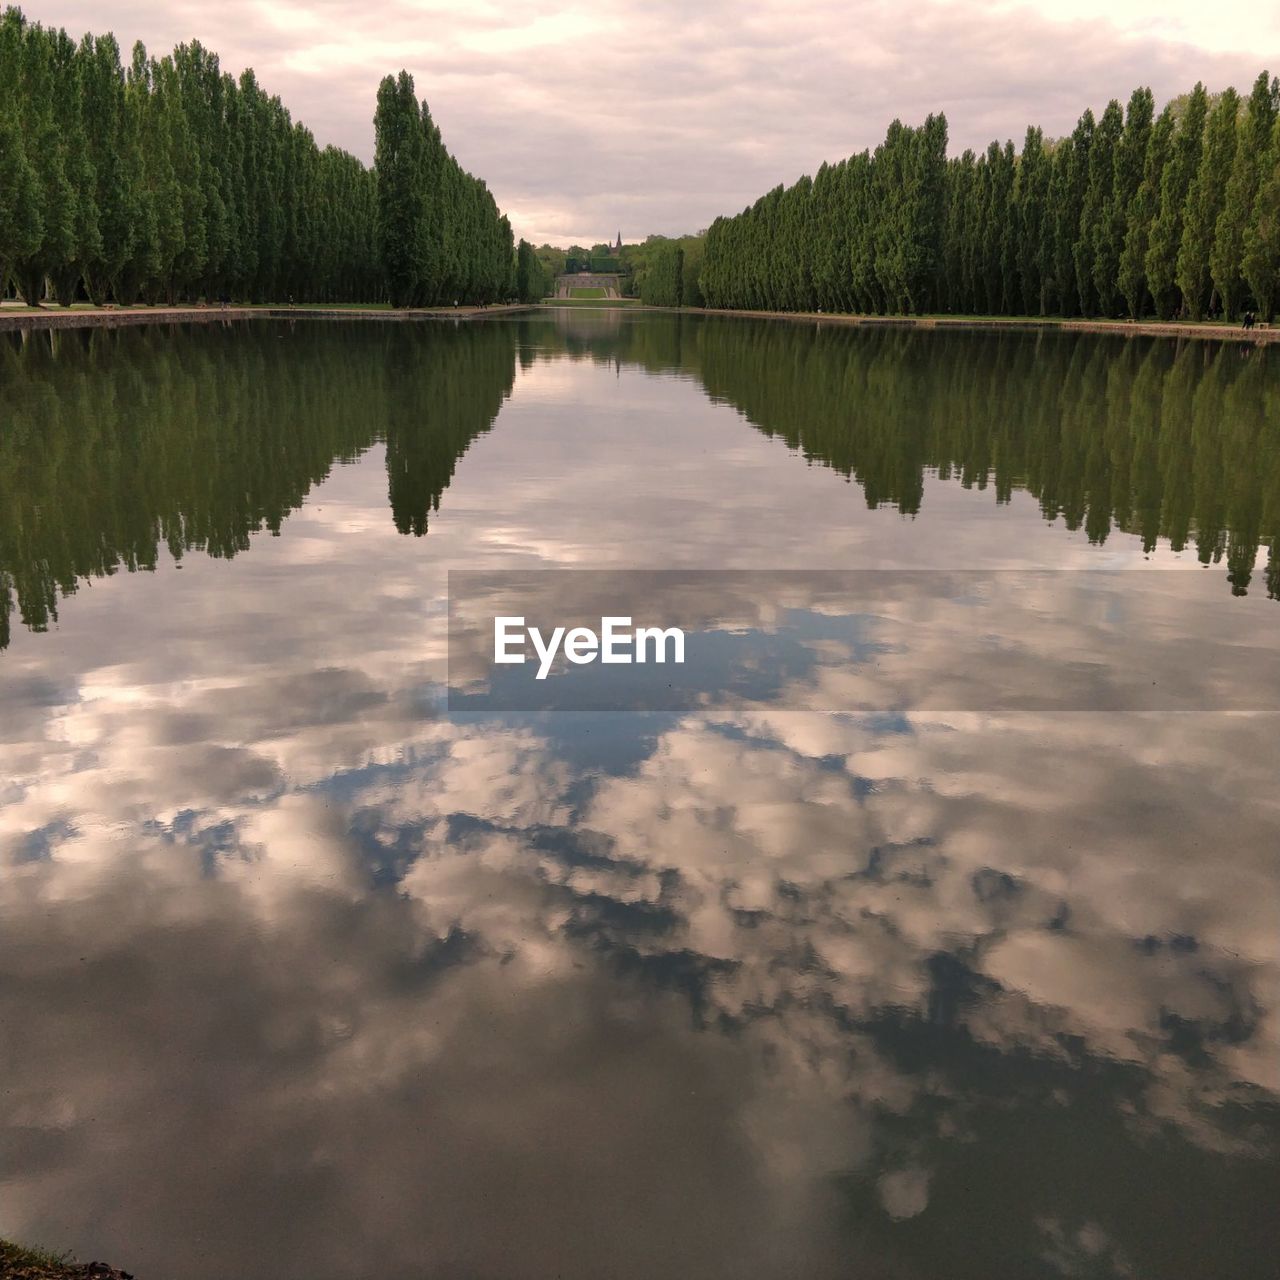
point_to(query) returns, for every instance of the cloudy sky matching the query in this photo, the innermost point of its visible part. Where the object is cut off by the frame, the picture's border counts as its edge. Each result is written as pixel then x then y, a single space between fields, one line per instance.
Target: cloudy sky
pixel 587 118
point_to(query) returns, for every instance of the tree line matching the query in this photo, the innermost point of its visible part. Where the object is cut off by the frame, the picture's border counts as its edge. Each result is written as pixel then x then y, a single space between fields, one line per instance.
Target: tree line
pixel 1175 214
pixel 168 180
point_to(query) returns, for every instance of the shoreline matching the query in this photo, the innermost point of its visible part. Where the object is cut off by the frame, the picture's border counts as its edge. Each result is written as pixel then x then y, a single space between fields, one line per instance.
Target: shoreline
pixel 16 319
pixel 1032 324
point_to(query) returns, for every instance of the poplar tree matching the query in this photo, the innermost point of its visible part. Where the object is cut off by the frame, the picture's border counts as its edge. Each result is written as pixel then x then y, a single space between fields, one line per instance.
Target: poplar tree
pixel 1031 197
pixel 397 150
pixel 21 227
pixel 1142 211
pixel 54 198
pixel 1095 215
pixel 1227 255
pixel 1262 236
pixel 1127 172
pixel 1204 204
pixel 997 229
pixel 1069 209
pixel 68 74
pixel 1166 231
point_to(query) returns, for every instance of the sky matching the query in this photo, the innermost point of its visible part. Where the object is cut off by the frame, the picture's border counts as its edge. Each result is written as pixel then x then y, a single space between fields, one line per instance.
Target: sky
pixel 590 119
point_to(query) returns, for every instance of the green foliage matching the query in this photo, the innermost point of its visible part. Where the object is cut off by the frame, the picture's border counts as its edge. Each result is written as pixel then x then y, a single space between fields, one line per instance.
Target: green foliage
pixel 27 69
pixel 662 284
pixel 1031 200
pixel 21 226
pixel 1143 207
pixel 440 235
pixel 532 282
pixel 169 180
pixel 1226 260
pixel 1166 232
pixel 1261 262
pixel 1127 174
pixel 1204 204
pixel 1125 213
pixel 1095 216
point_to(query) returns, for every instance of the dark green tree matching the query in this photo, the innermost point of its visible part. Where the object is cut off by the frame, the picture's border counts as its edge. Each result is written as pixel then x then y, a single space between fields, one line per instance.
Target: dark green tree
pixel 1204 204
pixel 1226 258
pixel 1261 263
pixel 1095 216
pixel 1166 231
pixel 1143 210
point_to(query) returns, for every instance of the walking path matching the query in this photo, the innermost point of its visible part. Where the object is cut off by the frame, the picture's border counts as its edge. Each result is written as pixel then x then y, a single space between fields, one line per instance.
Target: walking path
pixel 1155 328
pixel 12 317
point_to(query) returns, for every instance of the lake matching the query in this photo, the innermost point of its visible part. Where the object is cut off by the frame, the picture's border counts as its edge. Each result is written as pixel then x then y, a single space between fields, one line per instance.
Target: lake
pixel 924 927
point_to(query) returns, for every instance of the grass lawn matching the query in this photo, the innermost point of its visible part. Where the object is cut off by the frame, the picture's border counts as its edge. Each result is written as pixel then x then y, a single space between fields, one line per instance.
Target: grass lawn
pixel 590 302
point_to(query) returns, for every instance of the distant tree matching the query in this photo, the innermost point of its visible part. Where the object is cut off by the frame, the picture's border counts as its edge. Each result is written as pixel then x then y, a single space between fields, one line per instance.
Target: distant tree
pixel 531 281
pixel 662 285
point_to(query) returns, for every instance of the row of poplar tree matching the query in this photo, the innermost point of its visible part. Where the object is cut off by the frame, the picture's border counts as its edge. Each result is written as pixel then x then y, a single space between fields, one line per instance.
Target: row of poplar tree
pixel 1176 214
pixel 441 235
pixel 170 180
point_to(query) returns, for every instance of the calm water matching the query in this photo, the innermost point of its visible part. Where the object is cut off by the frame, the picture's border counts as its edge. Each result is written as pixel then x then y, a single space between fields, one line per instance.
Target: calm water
pixel 937 939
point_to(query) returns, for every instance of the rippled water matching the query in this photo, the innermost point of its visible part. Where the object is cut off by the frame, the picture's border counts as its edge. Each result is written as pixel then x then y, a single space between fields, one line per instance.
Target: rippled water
pixel 937 938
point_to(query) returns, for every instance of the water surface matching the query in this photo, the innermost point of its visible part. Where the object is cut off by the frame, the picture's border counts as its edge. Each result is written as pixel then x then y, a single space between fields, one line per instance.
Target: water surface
pixel 941 944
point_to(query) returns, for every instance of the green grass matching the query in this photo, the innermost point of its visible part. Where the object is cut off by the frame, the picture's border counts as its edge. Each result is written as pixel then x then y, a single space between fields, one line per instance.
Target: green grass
pixel 591 302
pixel 17 1263
pixel 586 293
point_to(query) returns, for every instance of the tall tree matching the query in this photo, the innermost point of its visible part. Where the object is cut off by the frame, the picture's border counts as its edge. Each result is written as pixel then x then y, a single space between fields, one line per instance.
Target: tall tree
pixel 1204 204
pixel 397 161
pixel 1261 263
pixel 1031 197
pixel 69 72
pixel 1095 217
pixel 54 198
pixel 1128 165
pixel 1226 259
pixel 1166 231
pixel 1143 209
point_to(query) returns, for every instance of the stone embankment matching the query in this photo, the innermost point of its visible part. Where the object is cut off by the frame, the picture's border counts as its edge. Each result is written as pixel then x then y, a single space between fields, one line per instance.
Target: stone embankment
pixel 117 317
